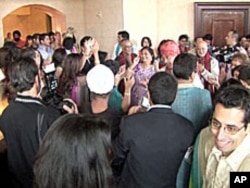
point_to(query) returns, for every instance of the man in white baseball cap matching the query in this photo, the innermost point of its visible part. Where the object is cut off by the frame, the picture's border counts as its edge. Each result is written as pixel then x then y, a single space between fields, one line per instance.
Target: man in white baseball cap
pixel 100 81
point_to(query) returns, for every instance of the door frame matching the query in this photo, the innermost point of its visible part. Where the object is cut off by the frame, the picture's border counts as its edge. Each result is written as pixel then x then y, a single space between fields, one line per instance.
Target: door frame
pixel 200 7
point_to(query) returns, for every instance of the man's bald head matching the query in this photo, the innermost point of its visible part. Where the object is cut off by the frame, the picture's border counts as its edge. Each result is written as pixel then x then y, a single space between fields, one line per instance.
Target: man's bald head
pixel 201 48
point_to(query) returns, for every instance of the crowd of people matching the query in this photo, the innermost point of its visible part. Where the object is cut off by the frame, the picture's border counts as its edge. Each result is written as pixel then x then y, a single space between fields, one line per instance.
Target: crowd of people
pixel 75 116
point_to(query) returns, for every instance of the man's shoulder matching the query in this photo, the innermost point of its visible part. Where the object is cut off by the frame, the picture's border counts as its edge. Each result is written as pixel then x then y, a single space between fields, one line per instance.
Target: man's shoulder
pixel 206 139
pixel 11 109
pixel 182 122
pixel 51 111
pixel 28 107
pixel 205 132
pixel 114 112
pixel 203 93
pixel 194 90
pixel 245 164
pixel 135 116
pixel 214 60
pixel 135 121
pixel 110 114
pixel 165 116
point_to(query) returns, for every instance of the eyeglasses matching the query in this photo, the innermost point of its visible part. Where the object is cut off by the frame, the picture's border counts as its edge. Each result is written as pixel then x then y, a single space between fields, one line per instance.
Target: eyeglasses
pixel 228 129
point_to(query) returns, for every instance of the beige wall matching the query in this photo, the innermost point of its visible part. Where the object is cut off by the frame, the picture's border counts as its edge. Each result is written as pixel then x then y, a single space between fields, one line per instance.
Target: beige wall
pixel 74 11
pixel 161 19
pixel 102 19
pixel 29 20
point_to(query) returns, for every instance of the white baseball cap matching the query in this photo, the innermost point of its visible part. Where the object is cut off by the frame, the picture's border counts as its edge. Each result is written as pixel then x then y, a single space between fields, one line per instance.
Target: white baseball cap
pixel 100 79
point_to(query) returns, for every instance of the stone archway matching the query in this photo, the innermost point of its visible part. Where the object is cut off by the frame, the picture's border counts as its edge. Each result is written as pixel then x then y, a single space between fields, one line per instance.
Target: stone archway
pixel 32 19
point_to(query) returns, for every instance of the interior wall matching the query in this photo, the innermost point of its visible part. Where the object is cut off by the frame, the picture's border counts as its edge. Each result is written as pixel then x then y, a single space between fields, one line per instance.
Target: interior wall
pixel 158 19
pixel 58 18
pixel 72 9
pixel 26 20
pixel 161 19
pixel 103 19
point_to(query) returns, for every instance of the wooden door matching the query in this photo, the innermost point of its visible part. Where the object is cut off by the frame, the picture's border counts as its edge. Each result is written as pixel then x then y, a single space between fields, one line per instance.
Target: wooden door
pixel 219 18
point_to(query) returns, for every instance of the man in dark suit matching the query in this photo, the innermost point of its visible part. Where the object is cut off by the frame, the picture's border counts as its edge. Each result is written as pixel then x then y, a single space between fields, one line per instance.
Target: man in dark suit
pixel 152 144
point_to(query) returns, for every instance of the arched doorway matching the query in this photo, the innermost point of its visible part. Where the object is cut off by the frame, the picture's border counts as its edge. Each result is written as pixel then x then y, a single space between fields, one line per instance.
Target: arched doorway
pixel 32 19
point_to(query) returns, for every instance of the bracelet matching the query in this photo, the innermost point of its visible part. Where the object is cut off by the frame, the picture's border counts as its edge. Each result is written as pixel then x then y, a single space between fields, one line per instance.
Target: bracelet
pixel 126 94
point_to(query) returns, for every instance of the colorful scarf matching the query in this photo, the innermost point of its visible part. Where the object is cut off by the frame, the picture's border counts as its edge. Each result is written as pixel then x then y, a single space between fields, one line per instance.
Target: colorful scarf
pixel 207 65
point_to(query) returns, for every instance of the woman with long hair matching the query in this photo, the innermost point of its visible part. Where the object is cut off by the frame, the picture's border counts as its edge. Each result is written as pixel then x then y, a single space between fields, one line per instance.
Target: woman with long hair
pixel 71 80
pixel 57 58
pixel 75 153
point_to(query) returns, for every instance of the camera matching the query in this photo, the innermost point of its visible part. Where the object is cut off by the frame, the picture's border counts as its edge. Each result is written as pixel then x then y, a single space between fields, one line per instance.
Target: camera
pixel 50 95
pixel 225 55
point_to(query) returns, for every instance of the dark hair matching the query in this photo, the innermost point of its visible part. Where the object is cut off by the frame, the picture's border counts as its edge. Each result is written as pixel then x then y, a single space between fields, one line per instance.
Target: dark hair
pixel 35 36
pixel 42 36
pixel 247 36
pixel 5 57
pixel 113 65
pixel 15 52
pixel 237 68
pixel 4 91
pixel 184 36
pixel 235 96
pixel 184 65
pixel 9 44
pixel 22 74
pixel 229 82
pixel 28 53
pixel 162 88
pixel 58 56
pixel 84 39
pixel 148 39
pixel 28 37
pixel 71 68
pixel 244 74
pixel 68 43
pixel 8 54
pixel 151 52
pixel 208 36
pixel 124 34
pixel 31 53
pixel 75 153
pixel 51 33
pixel 235 34
pixel 16 32
pixel 198 37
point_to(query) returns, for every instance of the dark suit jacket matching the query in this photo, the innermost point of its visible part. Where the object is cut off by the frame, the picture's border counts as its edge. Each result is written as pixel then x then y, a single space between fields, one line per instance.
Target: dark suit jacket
pixel 150 148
